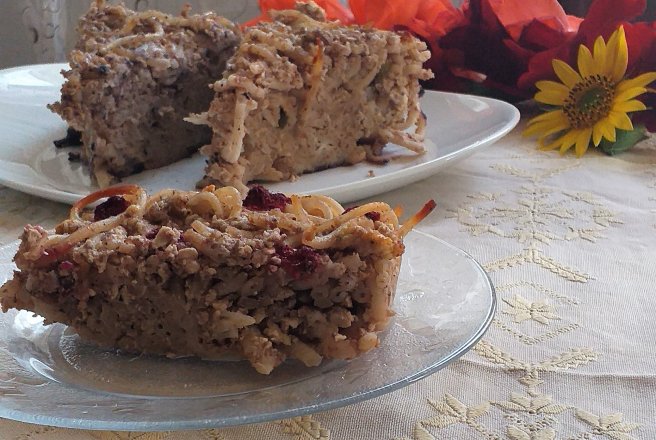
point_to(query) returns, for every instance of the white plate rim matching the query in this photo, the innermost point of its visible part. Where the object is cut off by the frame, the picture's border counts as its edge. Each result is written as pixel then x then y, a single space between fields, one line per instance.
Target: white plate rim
pixel 367 186
pixel 151 426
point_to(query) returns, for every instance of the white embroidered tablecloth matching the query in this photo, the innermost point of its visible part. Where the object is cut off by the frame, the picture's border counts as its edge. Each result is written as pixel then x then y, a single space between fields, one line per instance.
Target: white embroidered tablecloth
pixel 570 246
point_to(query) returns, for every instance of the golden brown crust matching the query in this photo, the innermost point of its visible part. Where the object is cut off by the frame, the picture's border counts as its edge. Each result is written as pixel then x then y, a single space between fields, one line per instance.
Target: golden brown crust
pixel 134 76
pixel 207 273
pixel 302 94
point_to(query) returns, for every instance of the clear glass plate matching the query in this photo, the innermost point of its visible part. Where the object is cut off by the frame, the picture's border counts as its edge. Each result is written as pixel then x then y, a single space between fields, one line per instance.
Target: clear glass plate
pixel 458 126
pixel 444 303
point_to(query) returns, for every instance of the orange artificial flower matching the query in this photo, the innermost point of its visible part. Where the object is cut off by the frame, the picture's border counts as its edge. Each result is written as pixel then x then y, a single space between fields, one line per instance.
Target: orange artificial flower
pixel 435 18
pixel 515 15
pixel 334 10
pixel 384 14
pixel 494 43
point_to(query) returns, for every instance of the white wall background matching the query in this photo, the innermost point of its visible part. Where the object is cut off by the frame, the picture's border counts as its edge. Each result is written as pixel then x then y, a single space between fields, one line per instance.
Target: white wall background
pixel 40 31
pixel 36 31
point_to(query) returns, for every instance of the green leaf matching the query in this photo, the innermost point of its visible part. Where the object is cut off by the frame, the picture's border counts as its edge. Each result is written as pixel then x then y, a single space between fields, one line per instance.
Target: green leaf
pixel 625 139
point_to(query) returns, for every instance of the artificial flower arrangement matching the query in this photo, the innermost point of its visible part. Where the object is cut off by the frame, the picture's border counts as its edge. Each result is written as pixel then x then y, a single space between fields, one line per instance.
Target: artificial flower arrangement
pixel 587 72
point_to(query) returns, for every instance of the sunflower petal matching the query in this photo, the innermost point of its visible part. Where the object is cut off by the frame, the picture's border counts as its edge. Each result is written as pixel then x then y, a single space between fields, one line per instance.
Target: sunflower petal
pixel 551 97
pixel 620 120
pixel 566 139
pixel 630 106
pixel 553 115
pixel 567 75
pixel 599 56
pixel 550 132
pixel 639 81
pixel 622 56
pixel 608 130
pixel 549 86
pixel 551 145
pixel 585 62
pixel 611 54
pixel 547 127
pixel 541 129
pixel 582 142
pixel 543 132
pixel 569 141
pixel 629 94
pixel 535 129
pixel 597 133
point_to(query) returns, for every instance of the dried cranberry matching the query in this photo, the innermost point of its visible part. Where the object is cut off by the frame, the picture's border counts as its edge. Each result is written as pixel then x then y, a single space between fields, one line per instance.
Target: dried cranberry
pixel 110 207
pixel 372 215
pixel 66 265
pixel 298 262
pixel 260 199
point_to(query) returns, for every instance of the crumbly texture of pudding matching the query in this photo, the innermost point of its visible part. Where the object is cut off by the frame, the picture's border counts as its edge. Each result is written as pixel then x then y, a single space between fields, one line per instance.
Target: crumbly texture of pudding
pixel 208 274
pixel 302 94
pixel 134 77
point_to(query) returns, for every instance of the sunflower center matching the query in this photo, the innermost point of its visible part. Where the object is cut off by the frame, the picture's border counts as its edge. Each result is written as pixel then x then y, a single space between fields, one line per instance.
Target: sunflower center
pixel 589 101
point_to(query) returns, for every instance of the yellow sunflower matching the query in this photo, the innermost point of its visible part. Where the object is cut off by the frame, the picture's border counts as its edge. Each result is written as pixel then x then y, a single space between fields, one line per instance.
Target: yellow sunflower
pixel 593 102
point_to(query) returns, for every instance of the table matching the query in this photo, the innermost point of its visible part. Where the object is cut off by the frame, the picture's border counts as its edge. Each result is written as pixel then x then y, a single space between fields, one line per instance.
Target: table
pixel 570 246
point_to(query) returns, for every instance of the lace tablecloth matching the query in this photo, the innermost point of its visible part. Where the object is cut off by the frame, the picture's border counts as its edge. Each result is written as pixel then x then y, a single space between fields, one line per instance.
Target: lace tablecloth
pixel 570 246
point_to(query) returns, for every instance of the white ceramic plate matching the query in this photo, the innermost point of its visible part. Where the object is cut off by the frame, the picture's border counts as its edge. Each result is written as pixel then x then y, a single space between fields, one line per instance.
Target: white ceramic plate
pixel 458 125
pixel 49 376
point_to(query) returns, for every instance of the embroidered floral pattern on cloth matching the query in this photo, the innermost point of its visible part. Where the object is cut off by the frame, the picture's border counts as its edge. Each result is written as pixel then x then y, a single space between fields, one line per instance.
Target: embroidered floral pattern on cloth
pixel 569 245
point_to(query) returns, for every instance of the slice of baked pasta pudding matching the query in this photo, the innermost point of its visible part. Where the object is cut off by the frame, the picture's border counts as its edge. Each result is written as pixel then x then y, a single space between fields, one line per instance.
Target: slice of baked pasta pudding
pixel 207 274
pixel 303 94
pixel 133 78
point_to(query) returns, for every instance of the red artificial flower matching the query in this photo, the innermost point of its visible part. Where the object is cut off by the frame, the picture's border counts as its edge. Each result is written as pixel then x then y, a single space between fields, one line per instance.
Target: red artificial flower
pixel 500 47
pixel 641 42
pixel 598 22
pixel 497 40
